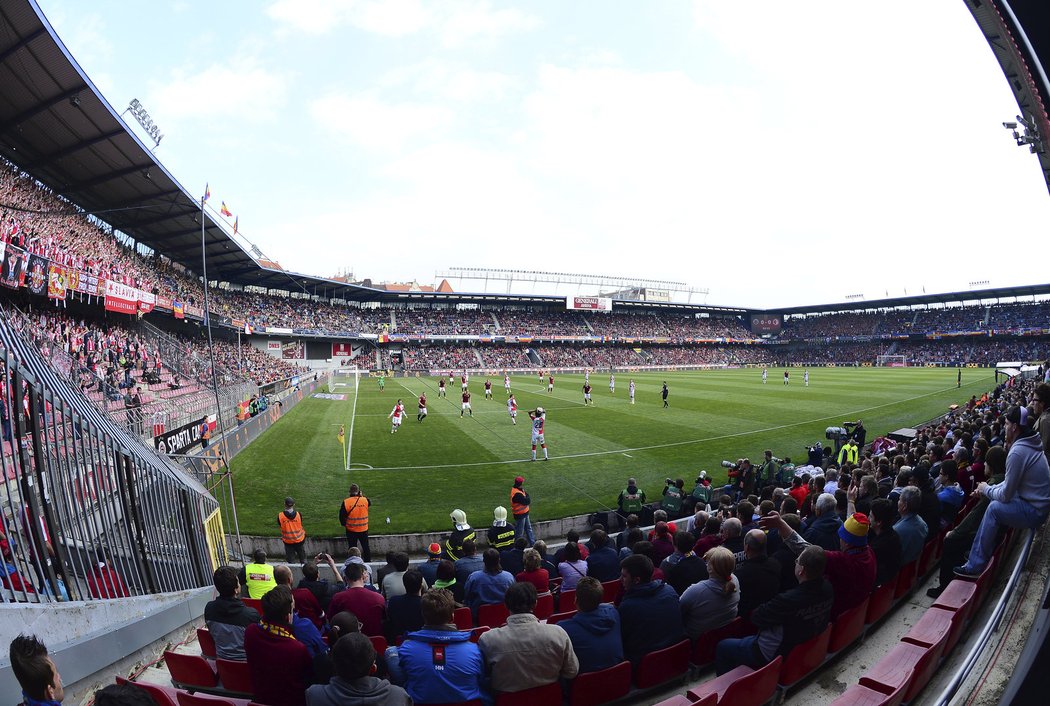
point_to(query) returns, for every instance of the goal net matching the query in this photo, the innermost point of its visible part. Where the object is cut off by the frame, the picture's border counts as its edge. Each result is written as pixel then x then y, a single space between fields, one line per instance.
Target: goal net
pixel 344 380
pixel 892 361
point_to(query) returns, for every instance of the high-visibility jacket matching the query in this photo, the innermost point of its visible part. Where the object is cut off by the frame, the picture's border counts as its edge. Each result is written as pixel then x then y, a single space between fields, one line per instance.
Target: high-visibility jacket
pixel 292 531
pixel 516 506
pixel 205 431
pixel 672 499
pixel 633 502
pixel 848 454
pixel 501 537
pixel 356 514
pixel 259 579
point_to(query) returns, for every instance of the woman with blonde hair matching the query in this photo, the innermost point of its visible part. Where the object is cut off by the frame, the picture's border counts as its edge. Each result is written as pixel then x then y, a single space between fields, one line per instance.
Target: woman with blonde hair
pixel 712 603
pixel 534 572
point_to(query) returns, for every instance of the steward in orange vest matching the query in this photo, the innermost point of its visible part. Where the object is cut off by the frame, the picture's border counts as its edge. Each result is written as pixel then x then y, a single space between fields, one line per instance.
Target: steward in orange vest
pixel 519 504
pixel 353 516
pixel 292 533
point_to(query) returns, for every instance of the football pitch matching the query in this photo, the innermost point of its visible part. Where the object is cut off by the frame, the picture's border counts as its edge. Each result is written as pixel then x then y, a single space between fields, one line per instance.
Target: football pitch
pixel 418 475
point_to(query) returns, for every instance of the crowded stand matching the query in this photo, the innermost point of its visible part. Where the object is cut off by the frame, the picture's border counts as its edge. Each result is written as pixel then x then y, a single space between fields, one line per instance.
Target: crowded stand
pixel 518 322
pixel 444 322
pixel 439 357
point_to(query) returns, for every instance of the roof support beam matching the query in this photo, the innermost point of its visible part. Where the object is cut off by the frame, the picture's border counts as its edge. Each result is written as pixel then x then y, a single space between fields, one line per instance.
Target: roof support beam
pixel 40 107
pixel 73 149
pixel 164 217
pixel 109 176
pixel 17 46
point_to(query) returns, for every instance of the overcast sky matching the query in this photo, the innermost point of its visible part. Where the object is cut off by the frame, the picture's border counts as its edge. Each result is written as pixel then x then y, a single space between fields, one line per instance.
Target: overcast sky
pixel 774 153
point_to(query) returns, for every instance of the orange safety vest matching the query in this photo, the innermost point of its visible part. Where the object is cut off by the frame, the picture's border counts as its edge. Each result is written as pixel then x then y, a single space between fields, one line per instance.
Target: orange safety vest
pixel 292 531
pixel 356 514
pixel 517 507
pixel 241 416
pixel 205 431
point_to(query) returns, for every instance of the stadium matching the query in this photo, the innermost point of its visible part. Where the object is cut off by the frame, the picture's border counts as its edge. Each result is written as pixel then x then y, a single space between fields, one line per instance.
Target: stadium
pixel 171 390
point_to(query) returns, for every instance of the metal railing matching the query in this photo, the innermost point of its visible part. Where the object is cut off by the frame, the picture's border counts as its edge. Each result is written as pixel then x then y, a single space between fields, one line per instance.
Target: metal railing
pixel 87 509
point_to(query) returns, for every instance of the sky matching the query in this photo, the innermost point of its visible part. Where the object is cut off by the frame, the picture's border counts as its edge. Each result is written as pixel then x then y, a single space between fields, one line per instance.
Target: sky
pixel 772 153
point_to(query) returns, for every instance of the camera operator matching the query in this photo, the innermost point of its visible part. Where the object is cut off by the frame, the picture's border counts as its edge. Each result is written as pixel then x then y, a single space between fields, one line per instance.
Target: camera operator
pixel 769 471
pixel 742 477
pixel 673 496
pixel 858 433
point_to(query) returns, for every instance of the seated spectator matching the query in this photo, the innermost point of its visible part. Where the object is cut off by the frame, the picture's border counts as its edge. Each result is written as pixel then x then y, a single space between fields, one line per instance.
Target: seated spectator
pixel 790 619
pixel 732 535
pixel 950 495
pixel 525 652
pixel 633 537
pixel 534 573
pixel 403 612
pixel 547 562
pixel 712 603
pixel 572 568
pixel 910 527
pixel 884 541
pixel 595 629
pixel 650 615
pixel 393 584
pixel 354 659
pixel 1022 500
pixel 123 695
pixel 280 666
pixel 571 537
pixel 631 523
pixel 368 606
pixel 227 617
pixel 469 562
pixel 459 675
pixel 930 504
pixel 488 586
pixel 342 624
pixel 758 574
pixel 321 588
pixel 663 544
pixel 513 559
pixel 603 563
pixel 303 627
pixel 35 671
pixel 446 579
pixel 710 536
pixel 429 567
pixel 822 527
pixel 689 569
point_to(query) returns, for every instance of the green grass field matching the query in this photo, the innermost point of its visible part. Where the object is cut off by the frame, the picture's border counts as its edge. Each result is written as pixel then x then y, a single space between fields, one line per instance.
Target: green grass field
pixel 418 475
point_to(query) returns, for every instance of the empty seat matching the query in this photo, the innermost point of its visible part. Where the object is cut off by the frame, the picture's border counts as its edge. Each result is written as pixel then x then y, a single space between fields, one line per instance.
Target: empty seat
pixel 477 632
pixel 906 663
pixel 235 676
pixel 161 695
pixel 188 699
pixel 742 686
pixel 804 658
pixel 558 617
pixel 611 590
pixel 492 615
pixel 566 601
pixel 594 688
pixel 905 579
pixel 680 700
pixel 663 665
pixel 190 671
pixel 206 642
pixel 546 695
pixel 880 602
pixel 858 695
pixel 463 618
pixel 848 627
pixel 931 628
pixel 544 606
pixel 703 652
pixel 960 596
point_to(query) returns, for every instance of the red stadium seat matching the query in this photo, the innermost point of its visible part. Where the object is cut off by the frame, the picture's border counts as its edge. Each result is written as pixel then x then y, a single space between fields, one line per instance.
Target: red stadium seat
pixel 680 700
pixel 477 632
pixel 190 671
pixel 253 603
pixel 742 686
pixel 188 699
pixel 848 627
pixel 546 695
pixel 558 617
pixel 544 606
pixel 595 688
pixel 379 643
pixel 926 557
pixel 611 590
pixel 905 663
pixel 235 676
pixel 858 695
pixel 958 596
pixel 463 618
pixel 703 652
pixel 905 579
pixel 931 628
pixel 880 601
pixel 161 695
pixel 206 642
pixel 566 601
pixel 804 658
pixel 663 665
pixel 493 615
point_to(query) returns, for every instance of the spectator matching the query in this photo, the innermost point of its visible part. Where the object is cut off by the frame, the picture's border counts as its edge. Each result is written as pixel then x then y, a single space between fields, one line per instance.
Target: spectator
pixel 429 567
pixel 631 523
pixel 525 652
pixel 354 658
pixel 822 527
pixel 595 629
pixel 446 578
pixel 930 505
pixel 468 563
pixel 392 583
pixel 404 611
pixel 227 617
pixel 884 541
pixel 459 676
pixel 712 603
pixel 950 495
pixel 732 535
pixel 489 585
pixel 36 673
pixel 663 544
pixel 758 574
pixel 573 568
pixel 104 581
pixel 513 559
pixel 910 527
pixel 368 606
pixel 650 615
pixel 602 563
pixel 790 619
pixel 534 572
pixel 280 666
pixel 123 695
pixel 341 624
pixel 304 628
pixel 321 588
pixel 689 569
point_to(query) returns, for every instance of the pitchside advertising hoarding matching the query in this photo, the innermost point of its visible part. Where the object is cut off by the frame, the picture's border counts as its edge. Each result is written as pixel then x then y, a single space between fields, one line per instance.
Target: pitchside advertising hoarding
pixel 588 303
pixel 766 323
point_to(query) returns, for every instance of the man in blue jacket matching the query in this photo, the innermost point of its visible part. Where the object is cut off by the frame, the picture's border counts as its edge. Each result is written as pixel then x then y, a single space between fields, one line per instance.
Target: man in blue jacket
pixel 650 616
pixel 823 529
pixel 438 664
pixel 603 563
pixel 595 629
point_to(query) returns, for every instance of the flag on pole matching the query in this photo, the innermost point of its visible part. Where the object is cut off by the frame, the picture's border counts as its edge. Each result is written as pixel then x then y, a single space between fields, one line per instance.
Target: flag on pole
pixel 207 192
pixel 236 223
pixel 225 211
pixel 342 436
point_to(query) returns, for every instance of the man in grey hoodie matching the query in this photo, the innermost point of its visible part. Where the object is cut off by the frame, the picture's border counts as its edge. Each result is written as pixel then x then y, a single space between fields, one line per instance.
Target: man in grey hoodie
pixel 1022 500
pixel 595 629
pixel 354 659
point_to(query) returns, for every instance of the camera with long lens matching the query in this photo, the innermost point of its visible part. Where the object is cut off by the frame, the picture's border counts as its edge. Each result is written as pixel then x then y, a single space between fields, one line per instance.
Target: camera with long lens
pixel 777 460
pixel 836 433
pixel 730 464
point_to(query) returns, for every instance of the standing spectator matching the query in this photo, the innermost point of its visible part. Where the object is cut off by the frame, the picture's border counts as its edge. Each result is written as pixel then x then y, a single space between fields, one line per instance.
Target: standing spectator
pixel 461 532
pixel 353 516
pixel 521 504
pixel 650 615
pixel 227 617
pixel 292 533
pixel 525 652
pixel 712 603
pixel 354 659
pixel 280 666
pixel 595 629
pixel 36 673
pixel 460 674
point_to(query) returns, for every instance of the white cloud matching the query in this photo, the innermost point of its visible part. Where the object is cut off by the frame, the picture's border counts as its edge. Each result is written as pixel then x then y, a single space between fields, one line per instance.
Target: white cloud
pixel 449 81
pixel 371 123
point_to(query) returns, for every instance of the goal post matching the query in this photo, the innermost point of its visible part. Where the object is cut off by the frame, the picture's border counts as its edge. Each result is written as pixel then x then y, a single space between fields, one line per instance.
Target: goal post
pixel 344 380
pixel 892 361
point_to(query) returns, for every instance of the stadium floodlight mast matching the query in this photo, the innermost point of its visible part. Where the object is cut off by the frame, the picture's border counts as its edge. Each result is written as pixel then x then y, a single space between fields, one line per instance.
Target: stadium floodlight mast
pixel 1030 137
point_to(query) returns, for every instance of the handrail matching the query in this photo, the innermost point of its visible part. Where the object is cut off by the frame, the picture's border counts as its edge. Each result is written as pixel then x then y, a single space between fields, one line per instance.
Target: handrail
pixel 990 626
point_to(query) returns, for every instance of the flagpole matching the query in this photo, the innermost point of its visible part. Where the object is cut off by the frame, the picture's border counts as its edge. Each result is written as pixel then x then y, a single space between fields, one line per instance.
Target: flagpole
pixel 219 427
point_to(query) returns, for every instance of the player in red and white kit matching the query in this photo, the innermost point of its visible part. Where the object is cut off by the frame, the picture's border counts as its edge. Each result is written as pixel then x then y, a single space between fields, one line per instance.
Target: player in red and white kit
pixel 488 389
pixel 506 382
pixel 587 393
pixel 512 409
pixel 463 381
pixel 538 417
pixel 441 388
pixel 421 415
pixel 396 415
pixel 550 383
pixel 466 404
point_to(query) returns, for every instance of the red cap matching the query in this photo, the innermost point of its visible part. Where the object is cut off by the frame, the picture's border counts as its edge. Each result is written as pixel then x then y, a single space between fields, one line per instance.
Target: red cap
pixel 434 549
pixel 519 479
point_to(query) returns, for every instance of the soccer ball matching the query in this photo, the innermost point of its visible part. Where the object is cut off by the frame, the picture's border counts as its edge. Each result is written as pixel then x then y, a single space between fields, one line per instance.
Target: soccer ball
pixel 539 410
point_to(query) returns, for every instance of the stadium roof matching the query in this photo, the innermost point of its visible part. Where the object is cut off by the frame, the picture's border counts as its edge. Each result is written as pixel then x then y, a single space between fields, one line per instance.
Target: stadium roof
pixel 922 300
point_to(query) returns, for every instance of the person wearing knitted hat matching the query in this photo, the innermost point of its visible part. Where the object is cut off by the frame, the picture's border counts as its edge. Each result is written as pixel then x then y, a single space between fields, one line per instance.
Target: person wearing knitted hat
pixel 429 567
pixel 1022 500
pixel 460 533
pixel 850 570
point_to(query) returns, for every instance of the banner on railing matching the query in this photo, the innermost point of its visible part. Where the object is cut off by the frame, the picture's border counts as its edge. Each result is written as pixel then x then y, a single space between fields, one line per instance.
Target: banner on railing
pixel 36 275
pixel 14 269
pixel 56 282
pixel 121 298
pixel 180 439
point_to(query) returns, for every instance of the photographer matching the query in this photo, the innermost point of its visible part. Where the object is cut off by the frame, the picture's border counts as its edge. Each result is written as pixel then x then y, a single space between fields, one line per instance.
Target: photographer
pixel 673 495
pixel 769 471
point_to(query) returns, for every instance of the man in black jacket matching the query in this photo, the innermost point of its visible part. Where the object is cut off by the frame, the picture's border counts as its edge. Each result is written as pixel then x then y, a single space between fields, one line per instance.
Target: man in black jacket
pixel 227 616
pixel 788 620
pixel 758 574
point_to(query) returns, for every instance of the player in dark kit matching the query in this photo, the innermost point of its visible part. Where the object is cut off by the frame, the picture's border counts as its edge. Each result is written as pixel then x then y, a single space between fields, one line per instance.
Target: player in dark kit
pixel 466 404
pixel 421 415
pixel 488 389
pixel 441 388
pixel 587 393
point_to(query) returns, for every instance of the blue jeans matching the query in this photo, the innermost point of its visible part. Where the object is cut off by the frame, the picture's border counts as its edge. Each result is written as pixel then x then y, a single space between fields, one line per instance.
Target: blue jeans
pixel 733 652
pixel 1016 513
pixel 523 528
